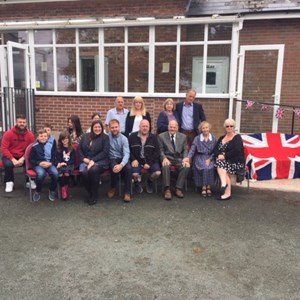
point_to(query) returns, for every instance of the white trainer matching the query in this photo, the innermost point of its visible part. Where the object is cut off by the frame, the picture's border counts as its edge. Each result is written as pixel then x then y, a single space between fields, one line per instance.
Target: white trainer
pixel 9 187
pixel 32 184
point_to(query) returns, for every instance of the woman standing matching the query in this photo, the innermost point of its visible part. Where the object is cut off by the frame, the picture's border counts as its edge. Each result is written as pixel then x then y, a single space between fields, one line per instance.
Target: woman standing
pixel 201 153
pixel 75 129
pixel 229 153
pixel 136 114
pixel 167 115
pixel 93 151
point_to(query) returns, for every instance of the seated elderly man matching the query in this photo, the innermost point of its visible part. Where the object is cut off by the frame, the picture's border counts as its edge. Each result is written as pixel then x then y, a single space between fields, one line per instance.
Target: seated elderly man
pixel 144 153
pixel 173 152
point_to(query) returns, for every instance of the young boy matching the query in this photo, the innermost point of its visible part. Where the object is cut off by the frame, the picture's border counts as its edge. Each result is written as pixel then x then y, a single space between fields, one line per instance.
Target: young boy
pixel 51 142
pixel 43 165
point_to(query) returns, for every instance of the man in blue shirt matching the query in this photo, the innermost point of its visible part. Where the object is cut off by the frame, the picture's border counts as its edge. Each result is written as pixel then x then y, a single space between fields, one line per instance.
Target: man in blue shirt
pixel 190 114
pixel 119 157
pixel 119 113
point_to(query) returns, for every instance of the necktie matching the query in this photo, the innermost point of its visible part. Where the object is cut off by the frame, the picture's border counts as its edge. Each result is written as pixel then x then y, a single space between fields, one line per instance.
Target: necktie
pixel 172 141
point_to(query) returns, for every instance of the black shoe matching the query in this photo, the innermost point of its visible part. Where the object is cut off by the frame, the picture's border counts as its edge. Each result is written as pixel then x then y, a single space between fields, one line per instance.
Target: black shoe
pixel 224 199
pixel 138 187
pixel 149 187
pixel 223 189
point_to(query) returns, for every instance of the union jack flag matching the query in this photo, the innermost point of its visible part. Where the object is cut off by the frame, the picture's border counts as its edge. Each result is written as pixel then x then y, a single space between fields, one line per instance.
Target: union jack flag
pixel 272 155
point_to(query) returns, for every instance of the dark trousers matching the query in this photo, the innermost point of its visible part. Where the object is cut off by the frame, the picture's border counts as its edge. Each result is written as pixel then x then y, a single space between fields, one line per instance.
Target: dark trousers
pixel 9 169
pixel 90 179
pixel 126 174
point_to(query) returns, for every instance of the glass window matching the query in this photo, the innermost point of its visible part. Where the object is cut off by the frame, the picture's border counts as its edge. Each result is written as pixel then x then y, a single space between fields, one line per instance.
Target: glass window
pixel 65 36
pixel 165 33
pixel 66 69
pixel 165 69
pixel 137 69
pixel 190 33
pixel 219 32
pixel 43 37
pixel 114 61
pixel 16 36
pixel 44 69
pixel 88 69
pixel 114 35
pixel 88 35
pixel 186 66
pixel 138 34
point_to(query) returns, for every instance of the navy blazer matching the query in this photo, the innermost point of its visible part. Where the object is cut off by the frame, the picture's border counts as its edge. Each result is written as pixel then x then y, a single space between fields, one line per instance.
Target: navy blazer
pixel 198 114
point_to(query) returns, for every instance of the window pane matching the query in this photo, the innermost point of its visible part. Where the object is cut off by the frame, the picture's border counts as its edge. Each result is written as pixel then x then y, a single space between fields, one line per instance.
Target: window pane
pixel 138 34
pixel 137 69
pixel 186 66
pixel 65 36
pixel 88 35
pixel 192 33
pixel 16 36
pixel 165 33
pixel 43 37
pixel 88 69
pixel 44 69
pixel 66 69
pixel 165 69
pixel 114 76
pixel 217 68
pixel 219 32
pixel 114 35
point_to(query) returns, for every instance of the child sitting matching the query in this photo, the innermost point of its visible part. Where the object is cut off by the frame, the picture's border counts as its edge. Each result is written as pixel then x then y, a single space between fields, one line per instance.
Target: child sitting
pixel 65 162
pixel 41 165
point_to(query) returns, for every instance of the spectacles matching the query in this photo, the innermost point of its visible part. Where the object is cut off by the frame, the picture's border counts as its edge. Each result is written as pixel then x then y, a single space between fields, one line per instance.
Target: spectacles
pixel 227 126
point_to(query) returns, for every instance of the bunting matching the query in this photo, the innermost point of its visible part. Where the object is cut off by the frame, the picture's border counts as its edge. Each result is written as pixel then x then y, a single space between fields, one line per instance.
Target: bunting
pixel 279 113
pixel 267 106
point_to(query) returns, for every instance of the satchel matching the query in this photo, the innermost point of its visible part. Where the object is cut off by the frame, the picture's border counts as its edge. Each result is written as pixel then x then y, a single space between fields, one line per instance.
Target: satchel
pixel 240 175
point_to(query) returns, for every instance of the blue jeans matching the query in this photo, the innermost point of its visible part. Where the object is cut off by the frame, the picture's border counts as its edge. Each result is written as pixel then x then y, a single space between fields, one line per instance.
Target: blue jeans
pixel 41 174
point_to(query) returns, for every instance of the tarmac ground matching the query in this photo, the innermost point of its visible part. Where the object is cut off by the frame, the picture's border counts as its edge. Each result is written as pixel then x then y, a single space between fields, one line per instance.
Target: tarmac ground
pixel 191 248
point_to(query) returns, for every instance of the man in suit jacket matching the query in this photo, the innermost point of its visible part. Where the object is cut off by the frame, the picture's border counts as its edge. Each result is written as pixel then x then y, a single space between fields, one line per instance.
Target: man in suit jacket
pixel 173 153
pixel 190 114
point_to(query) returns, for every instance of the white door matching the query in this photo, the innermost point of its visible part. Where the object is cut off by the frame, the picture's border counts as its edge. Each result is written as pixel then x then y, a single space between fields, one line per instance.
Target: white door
pixel 259 80
pixel 15 74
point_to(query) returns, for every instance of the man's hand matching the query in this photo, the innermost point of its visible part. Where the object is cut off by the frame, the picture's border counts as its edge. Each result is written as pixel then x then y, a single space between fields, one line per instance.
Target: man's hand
pixel 166 162
pixel 146 167
pixel 117 168
pixel 135 163
pixel 186 162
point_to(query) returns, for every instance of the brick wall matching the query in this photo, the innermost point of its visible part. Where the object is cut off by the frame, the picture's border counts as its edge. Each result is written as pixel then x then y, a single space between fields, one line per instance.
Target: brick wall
pixel 285 32
pixel 92 8
pixel 56 110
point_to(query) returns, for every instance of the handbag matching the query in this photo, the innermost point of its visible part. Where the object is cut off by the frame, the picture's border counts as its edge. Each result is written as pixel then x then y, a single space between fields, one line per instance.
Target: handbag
pixel 240 175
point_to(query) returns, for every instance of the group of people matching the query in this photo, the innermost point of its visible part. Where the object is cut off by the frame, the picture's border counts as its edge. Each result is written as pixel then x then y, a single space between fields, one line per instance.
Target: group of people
pixel 127 147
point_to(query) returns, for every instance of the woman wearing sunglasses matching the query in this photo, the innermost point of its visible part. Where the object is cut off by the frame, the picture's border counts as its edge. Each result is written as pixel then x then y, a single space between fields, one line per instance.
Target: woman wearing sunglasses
pixel 229 154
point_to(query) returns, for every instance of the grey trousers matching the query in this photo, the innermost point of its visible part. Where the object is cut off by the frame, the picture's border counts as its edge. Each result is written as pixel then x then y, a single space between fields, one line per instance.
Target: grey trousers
pixel 182 173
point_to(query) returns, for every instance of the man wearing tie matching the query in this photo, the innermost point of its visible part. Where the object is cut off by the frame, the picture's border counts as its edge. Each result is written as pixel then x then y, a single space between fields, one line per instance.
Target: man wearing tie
pixel 173 152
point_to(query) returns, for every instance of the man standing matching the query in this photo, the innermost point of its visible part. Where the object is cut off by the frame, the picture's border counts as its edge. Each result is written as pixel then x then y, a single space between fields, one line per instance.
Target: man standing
pixel 14 144
pixel 144 154
pixel 119 113
pixel 173 152
pixel 190 114
pixel 119 157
